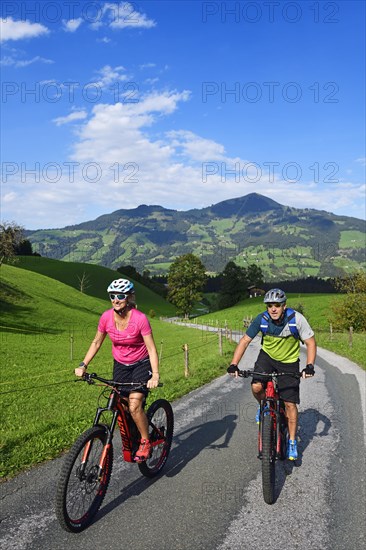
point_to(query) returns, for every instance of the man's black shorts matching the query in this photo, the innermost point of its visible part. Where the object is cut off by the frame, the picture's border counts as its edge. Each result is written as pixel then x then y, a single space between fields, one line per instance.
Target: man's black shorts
pixel 288 386
pixel 136 372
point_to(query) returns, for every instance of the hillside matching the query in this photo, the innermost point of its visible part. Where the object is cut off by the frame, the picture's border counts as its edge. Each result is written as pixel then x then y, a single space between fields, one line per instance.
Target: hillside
pixel 95 280
pixel 285 242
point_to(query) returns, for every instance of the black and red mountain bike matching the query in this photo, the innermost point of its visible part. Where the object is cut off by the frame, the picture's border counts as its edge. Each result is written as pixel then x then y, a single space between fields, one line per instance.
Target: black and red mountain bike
pixel 87 469
pixel 272 431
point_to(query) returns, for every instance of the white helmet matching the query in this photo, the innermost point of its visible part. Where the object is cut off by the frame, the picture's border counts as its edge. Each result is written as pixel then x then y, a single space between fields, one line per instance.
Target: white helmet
pixel 275 295
pixel 121 285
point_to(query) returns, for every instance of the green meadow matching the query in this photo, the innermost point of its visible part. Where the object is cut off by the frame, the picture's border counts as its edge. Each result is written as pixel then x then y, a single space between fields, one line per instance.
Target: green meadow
pixel 46 328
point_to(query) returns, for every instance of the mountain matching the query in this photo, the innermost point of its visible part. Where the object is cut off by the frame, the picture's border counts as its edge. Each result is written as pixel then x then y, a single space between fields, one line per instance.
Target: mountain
pixel 285 242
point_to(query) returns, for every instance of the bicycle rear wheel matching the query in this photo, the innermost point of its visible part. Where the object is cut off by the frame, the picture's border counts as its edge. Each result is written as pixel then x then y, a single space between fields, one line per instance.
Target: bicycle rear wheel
pixel 82 485
pixel 161 426
pixel 268 459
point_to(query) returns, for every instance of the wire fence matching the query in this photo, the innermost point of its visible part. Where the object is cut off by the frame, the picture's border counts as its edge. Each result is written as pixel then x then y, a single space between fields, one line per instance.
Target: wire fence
pixel 195 344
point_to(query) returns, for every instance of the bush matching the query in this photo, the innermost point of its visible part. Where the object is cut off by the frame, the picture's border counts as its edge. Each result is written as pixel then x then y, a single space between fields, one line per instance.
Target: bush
pixel 349 312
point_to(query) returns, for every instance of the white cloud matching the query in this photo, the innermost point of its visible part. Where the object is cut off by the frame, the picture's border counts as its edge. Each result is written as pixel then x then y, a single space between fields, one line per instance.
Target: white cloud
pixel 123 15
pixel 20 63
pixel 147 66
pixel 361 160
pixel 18 30
pixel 197 148
pixel 115 153
pixel 72 24
pixel 76 115
pixel 110 75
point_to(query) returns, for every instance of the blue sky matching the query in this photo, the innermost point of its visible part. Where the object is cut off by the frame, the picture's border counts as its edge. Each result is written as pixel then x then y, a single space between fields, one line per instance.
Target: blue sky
pixel 108 105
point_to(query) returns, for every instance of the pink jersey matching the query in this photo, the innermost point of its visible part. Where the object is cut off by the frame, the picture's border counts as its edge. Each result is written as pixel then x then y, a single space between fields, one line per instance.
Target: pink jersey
pixel 128 345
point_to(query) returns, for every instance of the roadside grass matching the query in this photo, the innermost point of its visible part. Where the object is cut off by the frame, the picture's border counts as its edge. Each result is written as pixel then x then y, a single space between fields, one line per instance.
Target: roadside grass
pixel 46 328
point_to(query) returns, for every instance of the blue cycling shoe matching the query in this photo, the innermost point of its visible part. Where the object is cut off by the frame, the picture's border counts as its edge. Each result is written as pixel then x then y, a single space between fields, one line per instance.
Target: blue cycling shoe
pixel 292 449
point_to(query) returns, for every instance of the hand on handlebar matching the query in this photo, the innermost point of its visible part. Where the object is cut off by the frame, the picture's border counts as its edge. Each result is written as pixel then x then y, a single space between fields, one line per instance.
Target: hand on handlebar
pixel 153 382
pixel 233 370
pixel 308 371
pixel 79 371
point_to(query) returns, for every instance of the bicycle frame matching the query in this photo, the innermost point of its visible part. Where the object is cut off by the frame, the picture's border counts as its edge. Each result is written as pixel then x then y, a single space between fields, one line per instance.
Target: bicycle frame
pixel 118 406
pixel 125 423
pixel 273 405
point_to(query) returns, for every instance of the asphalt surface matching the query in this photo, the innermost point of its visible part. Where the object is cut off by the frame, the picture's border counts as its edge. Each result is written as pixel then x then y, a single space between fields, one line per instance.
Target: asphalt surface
pixel 209 495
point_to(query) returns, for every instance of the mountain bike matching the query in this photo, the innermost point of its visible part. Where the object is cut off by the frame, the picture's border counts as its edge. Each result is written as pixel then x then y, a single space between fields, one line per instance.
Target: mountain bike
pixel 272 431
pixel 87 469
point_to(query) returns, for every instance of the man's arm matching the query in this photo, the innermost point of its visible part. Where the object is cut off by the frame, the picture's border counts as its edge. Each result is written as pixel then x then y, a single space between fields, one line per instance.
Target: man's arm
pixel 310 350
pixel 240 349
pixel 310 357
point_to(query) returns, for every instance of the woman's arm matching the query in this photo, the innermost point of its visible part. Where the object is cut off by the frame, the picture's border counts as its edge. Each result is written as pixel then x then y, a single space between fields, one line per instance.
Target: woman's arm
pixel 92 351
pixel 154 360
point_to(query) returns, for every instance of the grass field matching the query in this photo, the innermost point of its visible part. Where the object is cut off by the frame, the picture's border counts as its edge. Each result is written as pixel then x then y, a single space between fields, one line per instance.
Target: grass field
pixel 97 279
pixel 46 328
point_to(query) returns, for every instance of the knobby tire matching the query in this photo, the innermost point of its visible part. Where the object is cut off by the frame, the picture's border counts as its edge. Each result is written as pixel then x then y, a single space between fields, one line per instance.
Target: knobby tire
pixel 268 459
pixel 161 423
pixel 81 493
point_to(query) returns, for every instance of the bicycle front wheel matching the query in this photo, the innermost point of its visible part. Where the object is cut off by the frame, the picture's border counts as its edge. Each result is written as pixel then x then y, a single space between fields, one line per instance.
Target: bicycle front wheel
pixel 268 459
pixel 161 426
pixel 84 480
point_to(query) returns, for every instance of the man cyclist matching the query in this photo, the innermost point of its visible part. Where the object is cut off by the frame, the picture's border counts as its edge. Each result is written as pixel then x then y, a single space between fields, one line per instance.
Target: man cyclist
pixel 280 352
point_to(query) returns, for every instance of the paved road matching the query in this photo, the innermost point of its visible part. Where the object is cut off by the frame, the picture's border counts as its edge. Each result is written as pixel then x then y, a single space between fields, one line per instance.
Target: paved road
pixel 209 496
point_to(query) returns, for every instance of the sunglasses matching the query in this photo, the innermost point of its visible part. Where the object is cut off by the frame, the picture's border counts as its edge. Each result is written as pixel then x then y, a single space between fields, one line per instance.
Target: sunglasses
pixel 274 305
pixel 118 296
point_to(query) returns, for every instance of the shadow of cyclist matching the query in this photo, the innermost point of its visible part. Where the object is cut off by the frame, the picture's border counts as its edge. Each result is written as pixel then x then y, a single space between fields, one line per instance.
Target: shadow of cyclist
pixel 308 425
pixel 191 442
pixel 186 446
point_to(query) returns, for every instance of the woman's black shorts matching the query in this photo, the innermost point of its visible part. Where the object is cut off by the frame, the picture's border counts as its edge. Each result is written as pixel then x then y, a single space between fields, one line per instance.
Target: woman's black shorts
pixel 288 386
pixel 135 372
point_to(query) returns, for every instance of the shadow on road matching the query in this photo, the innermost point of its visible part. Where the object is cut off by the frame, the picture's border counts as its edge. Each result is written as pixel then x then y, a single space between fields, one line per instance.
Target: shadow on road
pixel 193 440
pixel 308 429
pixel 186 446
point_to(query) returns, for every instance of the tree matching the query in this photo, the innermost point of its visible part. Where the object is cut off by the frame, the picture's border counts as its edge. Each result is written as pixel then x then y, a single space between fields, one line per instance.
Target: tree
pixel 255 275
pixel 84 283
pixel 11 235
pixel 352 284
pixel 186 279
pixel 24 248
pixel 348 312
pixel 233 285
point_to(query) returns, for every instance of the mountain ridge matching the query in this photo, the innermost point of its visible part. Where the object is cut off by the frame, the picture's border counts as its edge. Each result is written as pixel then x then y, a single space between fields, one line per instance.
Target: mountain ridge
pixel 286 241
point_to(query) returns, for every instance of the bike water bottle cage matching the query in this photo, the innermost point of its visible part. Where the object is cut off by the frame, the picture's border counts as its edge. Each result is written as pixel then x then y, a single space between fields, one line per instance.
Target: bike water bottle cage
pixel 290 319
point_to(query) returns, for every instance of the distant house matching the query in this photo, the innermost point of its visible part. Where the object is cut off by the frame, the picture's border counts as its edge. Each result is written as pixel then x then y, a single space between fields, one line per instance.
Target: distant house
pixel 253 291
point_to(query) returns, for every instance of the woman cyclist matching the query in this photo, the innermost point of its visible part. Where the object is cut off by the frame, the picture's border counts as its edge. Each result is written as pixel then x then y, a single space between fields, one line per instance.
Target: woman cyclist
pixel 134 353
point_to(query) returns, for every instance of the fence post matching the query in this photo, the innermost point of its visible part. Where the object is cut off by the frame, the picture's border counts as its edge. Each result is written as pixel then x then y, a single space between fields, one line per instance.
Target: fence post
pixel 186 360
pixel 220 342
pixel 331 331
pixel 71 346
pixel 161 350
pixel 350 336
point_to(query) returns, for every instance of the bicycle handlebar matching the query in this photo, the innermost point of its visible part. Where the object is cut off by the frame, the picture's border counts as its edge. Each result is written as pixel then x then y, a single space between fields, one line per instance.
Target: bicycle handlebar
pixel 247 373
pixel 91 377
